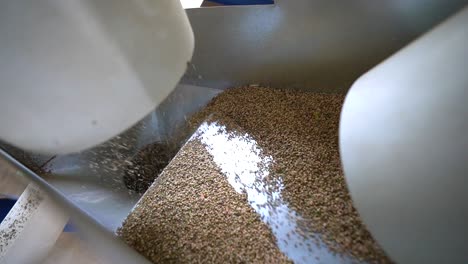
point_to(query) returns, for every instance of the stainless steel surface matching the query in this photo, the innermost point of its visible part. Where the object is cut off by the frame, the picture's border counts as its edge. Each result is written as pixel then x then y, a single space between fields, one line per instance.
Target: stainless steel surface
pixel 96 235
pixel 315 45
pixel 305 44
pixel 93 179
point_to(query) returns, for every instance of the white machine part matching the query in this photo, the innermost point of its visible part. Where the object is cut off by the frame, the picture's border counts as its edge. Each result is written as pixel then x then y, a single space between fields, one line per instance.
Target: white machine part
pixel 77 73
pixel 404 147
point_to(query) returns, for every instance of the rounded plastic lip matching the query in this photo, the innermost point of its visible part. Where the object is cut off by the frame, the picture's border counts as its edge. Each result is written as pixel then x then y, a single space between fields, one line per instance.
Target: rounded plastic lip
pixel 404 147
pixel 75 74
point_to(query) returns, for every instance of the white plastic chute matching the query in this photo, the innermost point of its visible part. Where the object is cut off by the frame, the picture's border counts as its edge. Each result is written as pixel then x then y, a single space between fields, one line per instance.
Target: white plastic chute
pixel 77 73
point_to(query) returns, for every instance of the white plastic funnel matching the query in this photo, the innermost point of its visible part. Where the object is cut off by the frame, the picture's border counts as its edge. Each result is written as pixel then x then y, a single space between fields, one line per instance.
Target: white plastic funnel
pixel 76 73
pixel 404 147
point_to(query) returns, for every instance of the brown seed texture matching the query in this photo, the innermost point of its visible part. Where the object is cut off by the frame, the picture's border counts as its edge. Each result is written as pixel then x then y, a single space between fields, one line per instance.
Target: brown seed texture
pixel 191 213
pixel 300 131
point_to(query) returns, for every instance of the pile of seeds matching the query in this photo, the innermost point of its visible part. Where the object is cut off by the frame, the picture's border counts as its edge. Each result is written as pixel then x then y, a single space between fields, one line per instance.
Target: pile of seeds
pixel 146 165
pixel 191 213
pixel 300 131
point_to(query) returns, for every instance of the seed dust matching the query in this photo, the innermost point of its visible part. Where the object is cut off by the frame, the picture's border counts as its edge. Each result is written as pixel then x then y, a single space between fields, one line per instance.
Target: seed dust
pixel 146 166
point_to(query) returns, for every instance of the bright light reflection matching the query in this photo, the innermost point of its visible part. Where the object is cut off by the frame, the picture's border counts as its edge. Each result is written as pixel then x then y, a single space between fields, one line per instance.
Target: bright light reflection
pixel 191 3
pixel 246 167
